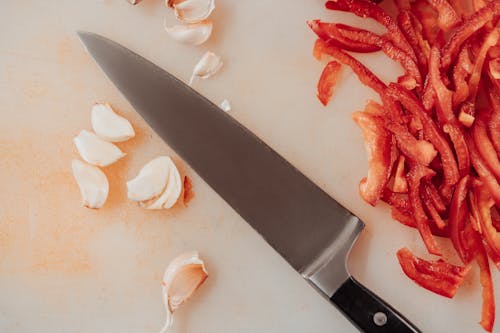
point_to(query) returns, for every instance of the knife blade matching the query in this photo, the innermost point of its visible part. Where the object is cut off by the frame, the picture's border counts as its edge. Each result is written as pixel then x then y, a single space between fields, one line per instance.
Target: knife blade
pixel 307 227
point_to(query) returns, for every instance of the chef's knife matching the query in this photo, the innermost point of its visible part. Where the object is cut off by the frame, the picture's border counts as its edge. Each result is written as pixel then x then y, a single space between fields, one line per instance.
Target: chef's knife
pixel 305 225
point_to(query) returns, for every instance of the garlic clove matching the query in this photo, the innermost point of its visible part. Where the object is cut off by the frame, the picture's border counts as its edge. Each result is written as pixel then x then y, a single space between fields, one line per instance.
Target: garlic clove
pixel 208 65
pixel 93 184
pixel 151 180
pixel 172 192
pixel 192 34
pixel 183 276
pixel 225 105
pixel 110 126
pixel 193 11
pixel 96 151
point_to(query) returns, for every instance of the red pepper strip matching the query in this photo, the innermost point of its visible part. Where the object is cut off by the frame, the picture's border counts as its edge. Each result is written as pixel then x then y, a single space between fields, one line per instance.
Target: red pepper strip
pixel 420 151
pixel 461 150
pixel 327 81
pixel 397 54
pixel 458 6
pixel 403 5
pixel 466 29
pixel 438 276
pixel 490 40
pixel 447 17
pixel 431 131
pixel 433 194
pixel 331 34
pixel 400 184
pixel 431 210
pixel 412 29
pixel 457 219
pixel 494 123
pixel 406 219
pixel 367 9
pixel 483 204
pixel 397 200
pixel 374 108
pixel 393 110
pixel 428 95
pixel 364 74
pixel 483 171
pixel 444 111
pixel 484 145
pixel 415 175
pixel 462 69
pixel 488 311
pixel 378 146
pixel 318 49
pixel 428 19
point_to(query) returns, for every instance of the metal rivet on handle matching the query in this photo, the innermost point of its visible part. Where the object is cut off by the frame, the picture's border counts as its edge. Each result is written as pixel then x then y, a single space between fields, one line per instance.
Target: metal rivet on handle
pixel 380 319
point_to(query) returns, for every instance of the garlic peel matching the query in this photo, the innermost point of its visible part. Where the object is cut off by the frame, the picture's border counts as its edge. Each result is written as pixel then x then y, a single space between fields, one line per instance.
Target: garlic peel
pixel 93 184
pixel 225 105
pixel 193 11
pixel 208 65
pixel 183 276
pixel 96 151
pixel 110 126
pixel 192 34
pixel 150 181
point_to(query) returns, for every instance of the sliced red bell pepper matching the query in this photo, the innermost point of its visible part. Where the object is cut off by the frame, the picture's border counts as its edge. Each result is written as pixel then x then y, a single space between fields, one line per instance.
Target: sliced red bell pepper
pixel 461 150
pixel 364 74
pixel 428 94
pixel 466 29
pixel 483 204
pixel 483 171
pixel 447 17
pixel 420 151
pixel 374 108
pixel 367 9
pixel 330 33
pixel 327 81
pixel 410 65
pixel 432 211
pixel 400 185
pixel 318 49
pixel 457 219
pixel 412 29
pixel 428 18
pixel 488 311
pixel 414 177
pixel 407 219
pixel 461 71
pixel 378 142
pixel 443 95
pixel 438 276
pixel 494 123
pixel 431 131
pixel 433 194
pixel 484 144
pixel 399 201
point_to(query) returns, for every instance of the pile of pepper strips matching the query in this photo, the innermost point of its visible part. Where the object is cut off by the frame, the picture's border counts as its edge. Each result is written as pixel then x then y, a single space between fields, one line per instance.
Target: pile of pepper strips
pixel 434 142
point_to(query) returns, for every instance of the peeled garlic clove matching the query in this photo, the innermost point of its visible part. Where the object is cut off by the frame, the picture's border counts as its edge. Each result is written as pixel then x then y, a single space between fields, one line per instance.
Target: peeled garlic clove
pixel 225 105
pixel 151 180
pixel 193 11
pixel 110 126
pixel 182 277
pixel 208 65
pixel 192 34
pixel 92 182
pixel 95 150
pixel 172 192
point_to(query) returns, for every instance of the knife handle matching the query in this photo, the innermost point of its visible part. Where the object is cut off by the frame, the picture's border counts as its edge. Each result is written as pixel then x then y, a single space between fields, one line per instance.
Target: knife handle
pixel 368 312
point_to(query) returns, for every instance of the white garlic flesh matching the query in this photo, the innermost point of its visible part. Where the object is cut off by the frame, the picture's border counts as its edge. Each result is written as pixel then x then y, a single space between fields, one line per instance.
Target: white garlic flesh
pixel 193 11
pixel 93 184
pixel 208 65
pixel 95 150
pixel 183 276
pixel 171 193
pixel 110 126
pixel 192 34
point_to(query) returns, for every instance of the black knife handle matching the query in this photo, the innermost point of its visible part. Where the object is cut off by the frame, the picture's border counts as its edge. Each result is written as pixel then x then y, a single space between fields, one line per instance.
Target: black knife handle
pixel 368 312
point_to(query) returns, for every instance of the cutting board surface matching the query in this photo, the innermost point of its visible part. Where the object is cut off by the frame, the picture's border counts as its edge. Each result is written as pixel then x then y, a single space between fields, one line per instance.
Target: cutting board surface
pixel 64 268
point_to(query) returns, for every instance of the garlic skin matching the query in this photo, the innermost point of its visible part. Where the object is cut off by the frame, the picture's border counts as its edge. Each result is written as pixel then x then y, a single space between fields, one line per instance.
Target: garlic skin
pixel 172 192
pixel 208 65
pixel 95 150
pixel 110 126
pixel 183 276
pixel 192 34
pixel 225 105
pixel 193 11
pixel 93 184
pixel 150 181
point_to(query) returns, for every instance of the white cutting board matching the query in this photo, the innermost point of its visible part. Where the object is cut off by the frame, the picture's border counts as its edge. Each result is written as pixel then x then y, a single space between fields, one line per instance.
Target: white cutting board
pixel 64 268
